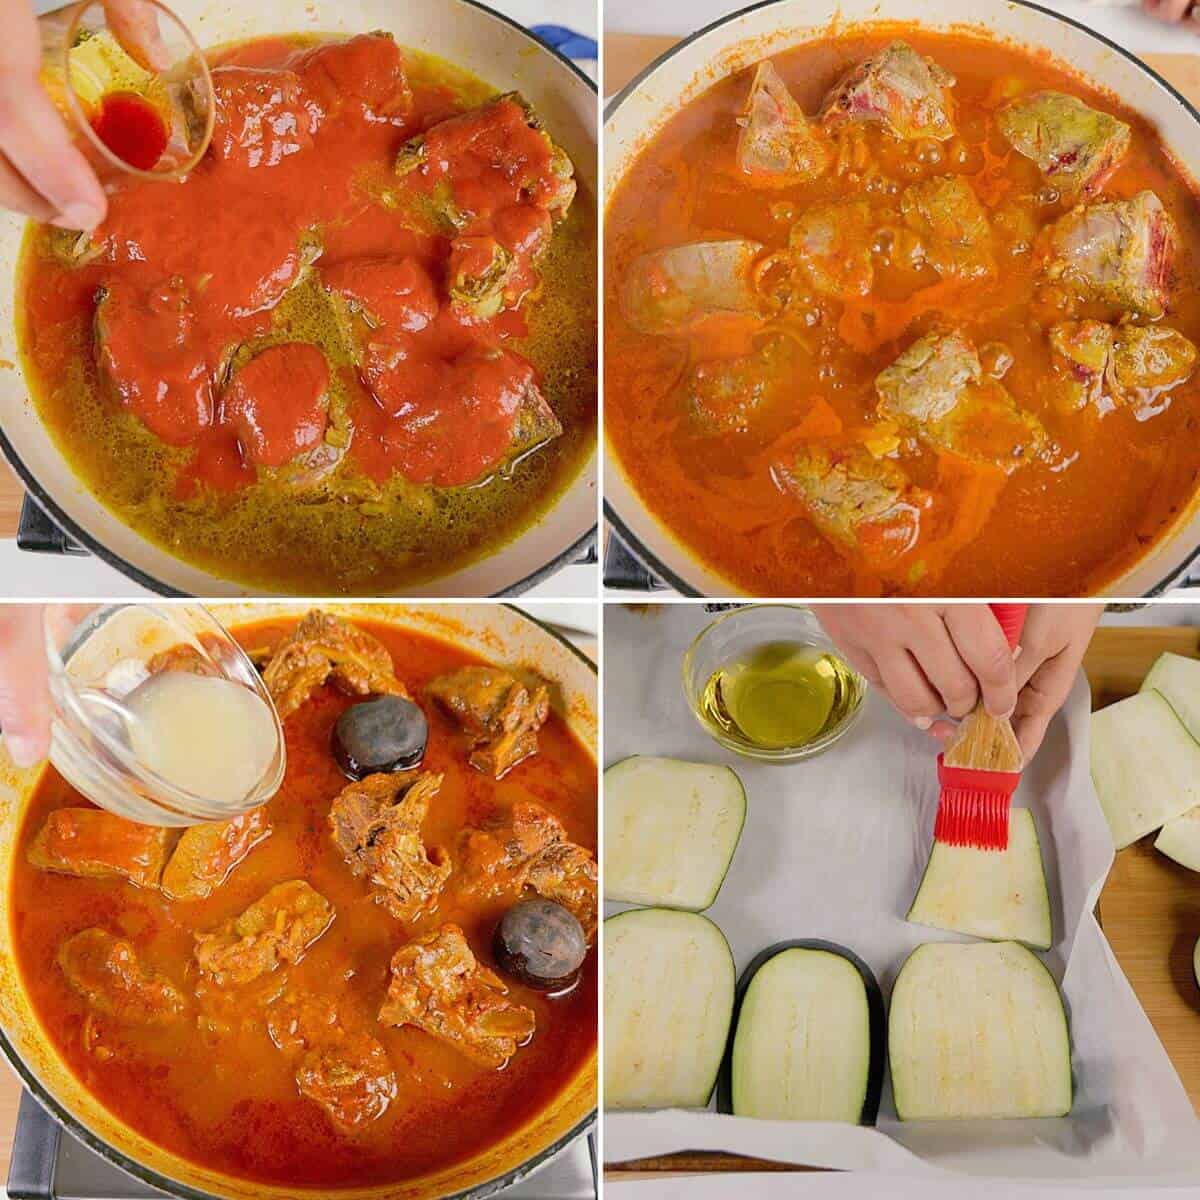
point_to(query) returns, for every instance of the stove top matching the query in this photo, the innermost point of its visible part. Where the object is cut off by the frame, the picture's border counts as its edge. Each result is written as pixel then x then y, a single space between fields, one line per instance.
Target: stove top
pixel 50 1164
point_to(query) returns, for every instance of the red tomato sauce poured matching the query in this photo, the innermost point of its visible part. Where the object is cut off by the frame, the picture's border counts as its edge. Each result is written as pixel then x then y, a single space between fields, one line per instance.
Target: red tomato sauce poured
pixel 302 166
pixel 131 128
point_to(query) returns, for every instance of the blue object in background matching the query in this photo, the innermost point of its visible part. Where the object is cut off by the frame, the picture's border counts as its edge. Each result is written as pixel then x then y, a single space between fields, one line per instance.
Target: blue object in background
pixel 566 41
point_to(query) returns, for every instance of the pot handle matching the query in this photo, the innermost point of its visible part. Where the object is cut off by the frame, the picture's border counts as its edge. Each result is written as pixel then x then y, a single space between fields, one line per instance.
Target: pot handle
pixel 34 1152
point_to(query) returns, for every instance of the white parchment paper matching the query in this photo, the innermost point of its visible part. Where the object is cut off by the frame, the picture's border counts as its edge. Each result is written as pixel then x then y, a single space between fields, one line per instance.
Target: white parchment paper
pixel 834 848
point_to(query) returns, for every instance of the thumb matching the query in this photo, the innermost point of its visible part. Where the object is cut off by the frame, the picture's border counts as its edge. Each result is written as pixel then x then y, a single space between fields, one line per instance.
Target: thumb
pixel 24 690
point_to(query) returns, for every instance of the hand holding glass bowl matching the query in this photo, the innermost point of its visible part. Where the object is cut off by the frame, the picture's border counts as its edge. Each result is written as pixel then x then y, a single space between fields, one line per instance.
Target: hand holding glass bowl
pixel 93 92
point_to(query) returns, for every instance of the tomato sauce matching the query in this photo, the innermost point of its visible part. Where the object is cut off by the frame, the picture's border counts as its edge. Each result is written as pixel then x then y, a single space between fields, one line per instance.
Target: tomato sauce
pixel 181 279
pixel 220 1093
pixel 131 128
pixel 1060 528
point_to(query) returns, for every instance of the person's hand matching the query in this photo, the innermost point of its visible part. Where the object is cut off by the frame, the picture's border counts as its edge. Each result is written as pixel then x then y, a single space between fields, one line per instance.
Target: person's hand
pixel 42 173
pixel 1168 10
pixel 929 659
pixel 24 690
pixel 1052 647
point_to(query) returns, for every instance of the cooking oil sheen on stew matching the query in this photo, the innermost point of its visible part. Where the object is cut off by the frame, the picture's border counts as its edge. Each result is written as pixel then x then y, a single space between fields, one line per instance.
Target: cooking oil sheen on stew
pixel 355 349
pixel 897 312
pixel 238 1065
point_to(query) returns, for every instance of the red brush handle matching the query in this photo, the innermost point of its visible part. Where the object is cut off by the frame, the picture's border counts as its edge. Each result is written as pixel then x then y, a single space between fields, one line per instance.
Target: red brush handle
pixel 1012 620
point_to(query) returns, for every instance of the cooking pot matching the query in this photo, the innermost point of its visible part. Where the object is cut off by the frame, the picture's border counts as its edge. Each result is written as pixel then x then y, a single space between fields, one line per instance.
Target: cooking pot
pixel 464 33
pixel 744 37
pixel 497 633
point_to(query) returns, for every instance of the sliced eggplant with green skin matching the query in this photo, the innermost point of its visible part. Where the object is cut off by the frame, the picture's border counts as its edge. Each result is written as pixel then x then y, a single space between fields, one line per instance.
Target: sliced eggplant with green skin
pixel 668 1002
pixel 670 831
pixel 1180 839
pixel 1145 766
pixel 978 1030
pixel 993 894
pixel 1177 679
pixel 810 1037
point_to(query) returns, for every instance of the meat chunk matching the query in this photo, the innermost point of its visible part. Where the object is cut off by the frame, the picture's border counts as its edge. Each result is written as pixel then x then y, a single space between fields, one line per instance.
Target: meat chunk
pixel 527 847
pixel 951 225
pixel 363 73
pixel 338 1065
pixel 1074 146
pixel 833 244
pixel 1079 353
pixel 865 505
pixel 681 288
pixel 439 987
pixel 94 844
pixel 323 648
pixel 105 970
pixel 277 402
pixel 937 389
pixel 152 360
pixel 501 714
pixel 1148 360
pixel 395 294
pixel 278 927
pixel 777 147
pixel 490 272
pixel 1117 253
pixel 181 657
pixel 501 145
pixel 724 395
pixel 376 824
pixel 898 89
pixel 261 116
pixel 205 854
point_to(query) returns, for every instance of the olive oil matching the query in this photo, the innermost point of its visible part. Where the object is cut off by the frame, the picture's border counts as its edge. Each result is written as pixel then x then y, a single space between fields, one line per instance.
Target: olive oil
pixel 781 694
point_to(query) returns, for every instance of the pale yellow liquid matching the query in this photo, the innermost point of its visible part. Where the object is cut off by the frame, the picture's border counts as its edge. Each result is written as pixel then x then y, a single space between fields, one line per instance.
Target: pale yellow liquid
pixel 209 736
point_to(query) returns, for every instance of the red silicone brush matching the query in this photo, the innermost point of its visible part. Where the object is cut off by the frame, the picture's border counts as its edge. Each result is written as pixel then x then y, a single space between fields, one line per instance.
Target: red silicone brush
pixel 981 767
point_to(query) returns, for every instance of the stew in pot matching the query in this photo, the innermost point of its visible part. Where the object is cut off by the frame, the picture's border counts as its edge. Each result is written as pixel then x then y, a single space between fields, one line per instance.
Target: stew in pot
pixel 896 312
pixel 383 971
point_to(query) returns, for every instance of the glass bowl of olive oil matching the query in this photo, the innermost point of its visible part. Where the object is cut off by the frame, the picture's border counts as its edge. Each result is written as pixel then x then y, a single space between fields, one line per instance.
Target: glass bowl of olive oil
pixel 765 682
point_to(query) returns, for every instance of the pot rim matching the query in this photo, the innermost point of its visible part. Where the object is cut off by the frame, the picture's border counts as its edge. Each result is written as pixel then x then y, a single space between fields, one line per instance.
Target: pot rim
pixel 118 1158
pixel 652 561
pixel 41 494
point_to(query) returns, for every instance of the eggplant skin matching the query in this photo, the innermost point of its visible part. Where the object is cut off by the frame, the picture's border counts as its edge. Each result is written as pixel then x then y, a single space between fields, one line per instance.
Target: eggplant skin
pixel 876 1017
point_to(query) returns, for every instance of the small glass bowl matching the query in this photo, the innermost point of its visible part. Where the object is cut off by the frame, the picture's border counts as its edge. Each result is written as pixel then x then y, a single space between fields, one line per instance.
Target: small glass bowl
pixel 736 633
pixel 94 663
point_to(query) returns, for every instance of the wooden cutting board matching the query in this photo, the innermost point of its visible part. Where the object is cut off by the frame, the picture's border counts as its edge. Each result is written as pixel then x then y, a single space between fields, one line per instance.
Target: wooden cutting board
pixel 1150 907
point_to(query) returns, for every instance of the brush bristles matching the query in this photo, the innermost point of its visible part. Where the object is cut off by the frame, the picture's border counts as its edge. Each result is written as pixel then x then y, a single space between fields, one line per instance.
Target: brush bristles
pixel 970 817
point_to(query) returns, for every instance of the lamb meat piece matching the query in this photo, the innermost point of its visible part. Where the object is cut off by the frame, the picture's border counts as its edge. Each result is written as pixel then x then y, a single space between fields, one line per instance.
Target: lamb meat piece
pixel 527 847
pixel 501 714
pixel 501 142
pixel 833 244
pixel 261 116
pixel 1117 253
pixel 366 71
pixel 278 927
pixel 488 273
pixel 680 288
pixel 865 505
pixel 1148 360
pixel 339 1066
pixel 952 226
pixel 94 844
pixel 777 147
pixel 725 395
pixel 897 88
pixel 937 390
pixel 105 970
pixel 376 824
pixel 568 875
pixel 440 987
pixel 1079 353
pixel 181 657
pixel 1075 147
pixel 205 854
pixel 151 359
pixel 323 648
pixel 395 294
